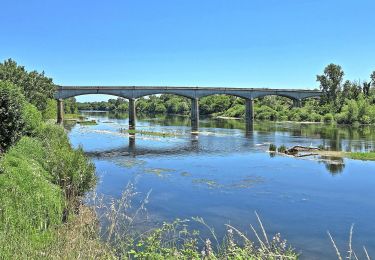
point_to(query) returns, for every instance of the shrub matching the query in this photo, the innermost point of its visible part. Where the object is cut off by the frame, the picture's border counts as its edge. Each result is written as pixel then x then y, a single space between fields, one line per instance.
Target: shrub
pixel 51 110
pixel 328 117
pixel 11 117
pixel 272 148
pixel 365 119
pixel 237 110
pixel 282 149
pixel 32 118
pixel 69 168
pixel 314 117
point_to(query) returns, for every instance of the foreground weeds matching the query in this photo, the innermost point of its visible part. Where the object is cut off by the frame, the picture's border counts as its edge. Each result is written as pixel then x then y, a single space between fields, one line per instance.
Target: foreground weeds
pixel 176 240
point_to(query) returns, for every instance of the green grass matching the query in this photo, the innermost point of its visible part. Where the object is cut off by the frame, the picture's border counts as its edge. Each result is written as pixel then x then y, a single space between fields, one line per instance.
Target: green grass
pixel 365 156
pixel 41 180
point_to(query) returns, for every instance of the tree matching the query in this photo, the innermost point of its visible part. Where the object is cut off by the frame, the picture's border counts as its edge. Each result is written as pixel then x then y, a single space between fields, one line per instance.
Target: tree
pixel 366 88
pixel 70 106
pixel 372 82
pixel 330 82
pixel 373 78
pixel 36 87
pixel 11 115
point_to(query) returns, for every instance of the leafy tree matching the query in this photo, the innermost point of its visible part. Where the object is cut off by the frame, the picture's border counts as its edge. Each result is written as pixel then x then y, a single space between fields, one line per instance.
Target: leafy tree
pixel 373 79
pixel 11 115
pixel 36 87
pixel 351 90
pixel 330 82
pixel 366 88
pixel 70 106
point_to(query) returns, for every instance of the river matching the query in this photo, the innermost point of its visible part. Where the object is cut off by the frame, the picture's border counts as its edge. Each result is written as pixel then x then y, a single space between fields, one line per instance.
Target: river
pixel 224 174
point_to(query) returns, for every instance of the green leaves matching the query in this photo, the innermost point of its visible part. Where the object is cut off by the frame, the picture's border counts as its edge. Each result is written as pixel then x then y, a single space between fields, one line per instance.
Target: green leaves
pixel 35 86
pixel 330 82
pixel 11 115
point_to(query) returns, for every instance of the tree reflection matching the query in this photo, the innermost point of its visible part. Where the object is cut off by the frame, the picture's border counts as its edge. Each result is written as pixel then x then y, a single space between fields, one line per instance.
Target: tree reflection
pixel 335 165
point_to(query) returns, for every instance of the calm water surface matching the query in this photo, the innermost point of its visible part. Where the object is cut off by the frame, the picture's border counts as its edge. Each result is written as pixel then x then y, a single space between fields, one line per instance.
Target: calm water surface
pixel 224 174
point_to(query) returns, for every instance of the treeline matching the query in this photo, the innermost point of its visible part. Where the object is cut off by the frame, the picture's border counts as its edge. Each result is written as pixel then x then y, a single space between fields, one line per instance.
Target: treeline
pixel 41 176
pixel 344 102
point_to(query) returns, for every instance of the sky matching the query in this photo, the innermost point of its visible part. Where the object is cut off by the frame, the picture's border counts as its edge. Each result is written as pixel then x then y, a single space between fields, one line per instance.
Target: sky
pixel 229 43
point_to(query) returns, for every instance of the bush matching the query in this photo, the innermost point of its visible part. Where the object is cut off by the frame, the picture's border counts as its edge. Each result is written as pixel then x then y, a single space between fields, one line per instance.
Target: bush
pixel 235 111
pixel 32 118
pixel 69 168
pixel 328 118
pixel 51 110
pixel 11 117
pixel 282 149
pixel 272 148
pixel 314 117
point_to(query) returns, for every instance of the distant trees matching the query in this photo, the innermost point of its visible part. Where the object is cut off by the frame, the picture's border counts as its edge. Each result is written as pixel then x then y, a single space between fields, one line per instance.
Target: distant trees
pixel 343 101
pixel 119 104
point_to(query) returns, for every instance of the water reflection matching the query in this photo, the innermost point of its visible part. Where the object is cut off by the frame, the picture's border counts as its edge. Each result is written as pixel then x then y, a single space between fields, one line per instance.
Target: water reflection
pixel 333 137
pixel 224 174
pixel 335 165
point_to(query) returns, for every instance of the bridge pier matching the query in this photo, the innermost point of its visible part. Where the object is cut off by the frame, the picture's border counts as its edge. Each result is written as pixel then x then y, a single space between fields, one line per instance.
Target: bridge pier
pixel 194 114
pixel 60 111
pixel 249 111
pixel 132 114
pixel 297 102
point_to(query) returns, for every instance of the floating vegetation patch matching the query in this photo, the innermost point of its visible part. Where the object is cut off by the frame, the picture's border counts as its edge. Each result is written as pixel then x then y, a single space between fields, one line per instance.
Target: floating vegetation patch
pixel 158 171
pixel 185 174
pixel 143 132
pixel 129 162
pixel 106 132
pixel 92 122
pixel 208 182
pixel 245 183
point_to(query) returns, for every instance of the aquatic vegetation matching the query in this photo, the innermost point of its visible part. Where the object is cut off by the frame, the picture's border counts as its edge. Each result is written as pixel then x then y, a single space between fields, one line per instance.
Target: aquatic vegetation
pixel 143 132
pixel 129 162
pixel 74 116
pixel 210 183
pixel 157 171
pixel 365 156
pixel 185 174
pixel 282 149
pixel 247 182
pixel 272 148
pixel 85 123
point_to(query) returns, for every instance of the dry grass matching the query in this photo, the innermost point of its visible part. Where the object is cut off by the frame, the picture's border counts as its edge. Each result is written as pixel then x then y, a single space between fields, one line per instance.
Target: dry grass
pixel 79 239
pixel 350 254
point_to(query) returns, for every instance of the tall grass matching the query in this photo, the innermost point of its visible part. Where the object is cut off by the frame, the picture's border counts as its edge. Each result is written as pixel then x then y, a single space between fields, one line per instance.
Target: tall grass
pixel 41 181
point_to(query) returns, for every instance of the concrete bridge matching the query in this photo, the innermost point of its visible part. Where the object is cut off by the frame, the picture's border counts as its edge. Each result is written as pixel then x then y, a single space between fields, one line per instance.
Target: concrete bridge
pixel 194 93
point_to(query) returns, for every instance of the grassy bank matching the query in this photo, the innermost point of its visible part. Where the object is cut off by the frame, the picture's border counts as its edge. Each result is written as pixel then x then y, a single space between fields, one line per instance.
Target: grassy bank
pixel 41 181
pixel 369 156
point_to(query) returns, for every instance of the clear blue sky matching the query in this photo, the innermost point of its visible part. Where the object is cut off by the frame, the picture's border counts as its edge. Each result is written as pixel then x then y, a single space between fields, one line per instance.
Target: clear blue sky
pixel 239 43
